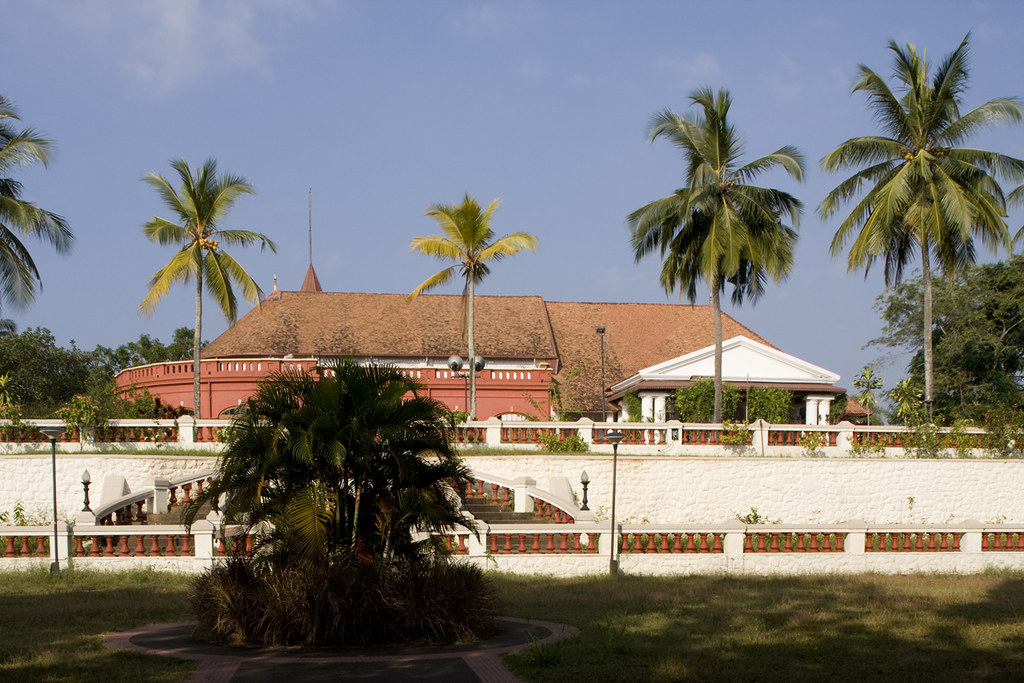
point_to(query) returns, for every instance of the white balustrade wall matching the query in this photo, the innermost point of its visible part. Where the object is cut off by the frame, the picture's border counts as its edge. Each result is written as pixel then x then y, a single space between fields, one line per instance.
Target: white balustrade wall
pixel 651 489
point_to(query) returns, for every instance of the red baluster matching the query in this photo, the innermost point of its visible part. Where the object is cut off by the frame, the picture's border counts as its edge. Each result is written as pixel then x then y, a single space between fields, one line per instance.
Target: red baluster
pixel 462 544
pixel 775 542
pixel 170 550
pixel 186 545
pixel 676 545
pixel 154 546
pixel 650 544
pixel 535 548
pixel 79 546
pixel 689 544
pixel 550 546
pixel 956 543
pixel 522 543
pixel 800 543
pixel 716 545
pixel 703 543
pixel 563 543
pixel 123 546
pixel 24 545
pixel 748 543
pixel 110 546
pixel 508 543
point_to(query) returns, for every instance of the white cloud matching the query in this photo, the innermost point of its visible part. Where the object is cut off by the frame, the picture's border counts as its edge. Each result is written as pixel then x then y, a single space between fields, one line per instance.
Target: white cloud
pixel 695 70
pixel 532 69
pixel 187 40
pixel 786 80
pixel 481 20
pixel 167 45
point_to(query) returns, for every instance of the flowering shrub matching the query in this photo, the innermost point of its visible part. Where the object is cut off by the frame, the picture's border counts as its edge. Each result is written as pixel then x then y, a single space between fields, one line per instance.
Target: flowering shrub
pixel 81 412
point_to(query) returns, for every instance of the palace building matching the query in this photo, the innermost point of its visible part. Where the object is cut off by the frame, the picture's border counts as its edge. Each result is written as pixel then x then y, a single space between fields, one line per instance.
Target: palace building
pixel 540 356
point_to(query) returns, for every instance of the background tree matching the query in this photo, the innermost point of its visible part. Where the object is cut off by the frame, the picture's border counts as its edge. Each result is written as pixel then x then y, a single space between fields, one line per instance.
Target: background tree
pixel 44 375
pixel 906 401
pixel 869 382
pixel 201 203
pixel 467 239
pixel 19 218
pixel 922 192
pixel 719 228
pixel 978 335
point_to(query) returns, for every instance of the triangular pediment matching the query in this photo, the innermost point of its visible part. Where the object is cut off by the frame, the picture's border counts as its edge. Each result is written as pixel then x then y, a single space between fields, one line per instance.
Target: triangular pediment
pixel 743 360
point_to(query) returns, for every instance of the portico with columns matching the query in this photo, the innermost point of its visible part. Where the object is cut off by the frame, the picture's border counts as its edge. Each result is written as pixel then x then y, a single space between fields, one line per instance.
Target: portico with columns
pixel 745 364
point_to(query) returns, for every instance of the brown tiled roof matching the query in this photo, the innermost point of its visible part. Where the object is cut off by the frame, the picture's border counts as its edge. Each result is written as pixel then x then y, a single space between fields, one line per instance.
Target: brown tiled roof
pixel 562 333
pixel 386 326
pixel 636 336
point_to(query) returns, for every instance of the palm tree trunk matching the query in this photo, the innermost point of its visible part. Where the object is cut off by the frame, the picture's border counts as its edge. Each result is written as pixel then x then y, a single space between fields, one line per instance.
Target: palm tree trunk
pixel 197 336
pixel 716 313
pixel 926 281
pixel 472 348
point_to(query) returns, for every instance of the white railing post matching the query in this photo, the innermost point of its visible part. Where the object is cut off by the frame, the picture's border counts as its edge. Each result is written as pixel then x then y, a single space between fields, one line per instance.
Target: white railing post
pixel 186 431
pixel 844 440
pixel 161 496
pixel 970 542
pixel 759 435
pixel 732 540
pixel 493 432
pixel 585 430
pixel 856 537
pixel 477 546
pixel 523 502
pixel 65 537
pixel 203 539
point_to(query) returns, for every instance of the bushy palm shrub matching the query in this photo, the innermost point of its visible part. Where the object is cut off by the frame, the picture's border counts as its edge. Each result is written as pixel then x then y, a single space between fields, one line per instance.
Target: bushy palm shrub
pixel 332 477
pixel 352 601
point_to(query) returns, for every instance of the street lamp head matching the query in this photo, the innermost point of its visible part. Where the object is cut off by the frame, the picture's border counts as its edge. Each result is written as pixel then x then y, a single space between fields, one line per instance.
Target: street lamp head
pixel 479 363
pixel 455 363
pixel 599 329
pixel 584 478
pixel 51 432
pixel 614 437
pixel 86 479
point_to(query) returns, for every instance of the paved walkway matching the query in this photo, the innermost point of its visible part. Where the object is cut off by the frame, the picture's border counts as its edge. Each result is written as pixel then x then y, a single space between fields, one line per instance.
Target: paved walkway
pixel 470 663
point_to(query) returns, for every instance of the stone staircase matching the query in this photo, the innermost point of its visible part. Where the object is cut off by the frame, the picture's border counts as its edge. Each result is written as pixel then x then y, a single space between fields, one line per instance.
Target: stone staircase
pixel 485 510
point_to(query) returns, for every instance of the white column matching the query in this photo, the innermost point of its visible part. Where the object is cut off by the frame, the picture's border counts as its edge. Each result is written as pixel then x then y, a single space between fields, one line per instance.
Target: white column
pixel 659 408
pixel 647 407
pixel 824 408
pixel 811 410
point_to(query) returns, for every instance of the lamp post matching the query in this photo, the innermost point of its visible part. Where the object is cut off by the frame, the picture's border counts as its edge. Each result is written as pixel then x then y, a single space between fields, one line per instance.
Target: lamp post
pixel 52 432
pixel 614 438
pixel 585 480
pixel 455 363
pixel 86 480
pixel 600 332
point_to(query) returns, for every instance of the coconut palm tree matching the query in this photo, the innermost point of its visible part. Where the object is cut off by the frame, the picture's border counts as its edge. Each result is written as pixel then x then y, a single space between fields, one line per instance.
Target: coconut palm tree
pixel 468 240
pixel 719 228
pixel 352 462
pixel 20 219
pixel 201 203
pixel 922 192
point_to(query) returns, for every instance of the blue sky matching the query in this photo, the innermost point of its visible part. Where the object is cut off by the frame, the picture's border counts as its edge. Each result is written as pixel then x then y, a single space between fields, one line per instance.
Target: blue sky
pixel 385 108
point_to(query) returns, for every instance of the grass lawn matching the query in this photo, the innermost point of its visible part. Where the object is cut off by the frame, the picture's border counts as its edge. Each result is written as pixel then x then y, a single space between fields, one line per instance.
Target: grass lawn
pixel 868 627
pixel 51 627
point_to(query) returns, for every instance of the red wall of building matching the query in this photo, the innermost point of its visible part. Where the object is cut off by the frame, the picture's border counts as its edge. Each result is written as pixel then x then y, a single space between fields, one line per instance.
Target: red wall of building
pixel 226 383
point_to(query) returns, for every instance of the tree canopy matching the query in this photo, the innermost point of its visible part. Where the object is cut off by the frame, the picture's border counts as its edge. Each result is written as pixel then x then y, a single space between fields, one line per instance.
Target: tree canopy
pixel 978 332
pixel 719 228
pixel 923 192
pixel 201 203
pixel 19 218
